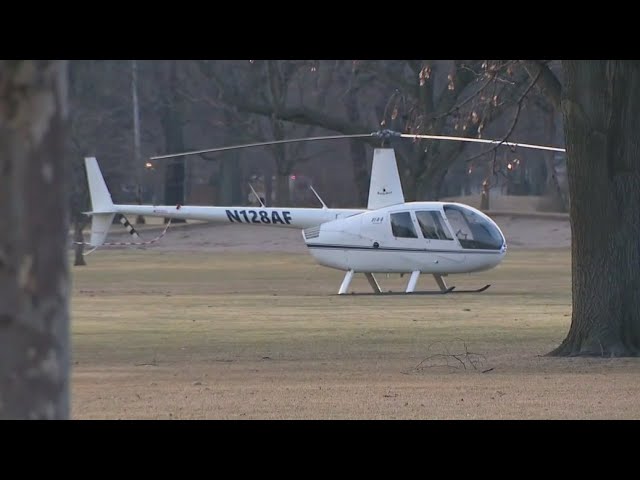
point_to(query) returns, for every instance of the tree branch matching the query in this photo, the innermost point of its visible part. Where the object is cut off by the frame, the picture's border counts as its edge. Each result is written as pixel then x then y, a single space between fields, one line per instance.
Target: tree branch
pixel 303 116
pixel 468 99
pixel 515 119
pixel 463 77
pixel 548 83
pixel 385 75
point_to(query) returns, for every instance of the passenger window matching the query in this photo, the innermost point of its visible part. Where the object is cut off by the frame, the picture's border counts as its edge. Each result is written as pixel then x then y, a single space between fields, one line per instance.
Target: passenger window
pixel 402 226
pixel 432 225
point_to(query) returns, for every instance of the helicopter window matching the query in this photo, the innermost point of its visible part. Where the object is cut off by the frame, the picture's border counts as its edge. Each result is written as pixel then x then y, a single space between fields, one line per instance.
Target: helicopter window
pixel 402 226
pixel 432 225
pixel 473 230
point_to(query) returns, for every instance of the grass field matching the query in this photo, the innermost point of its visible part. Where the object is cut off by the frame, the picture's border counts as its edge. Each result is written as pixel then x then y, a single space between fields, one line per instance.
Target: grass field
pixel 264 336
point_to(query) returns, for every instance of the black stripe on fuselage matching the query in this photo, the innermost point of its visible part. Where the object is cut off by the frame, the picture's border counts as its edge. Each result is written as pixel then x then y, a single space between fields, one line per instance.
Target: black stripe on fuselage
pixel 393 249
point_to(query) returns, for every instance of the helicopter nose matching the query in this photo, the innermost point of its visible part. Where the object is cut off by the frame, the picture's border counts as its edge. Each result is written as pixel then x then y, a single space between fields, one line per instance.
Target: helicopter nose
pixel 503 253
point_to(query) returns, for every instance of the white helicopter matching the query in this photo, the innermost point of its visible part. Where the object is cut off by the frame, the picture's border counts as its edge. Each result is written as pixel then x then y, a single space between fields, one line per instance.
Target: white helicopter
pixel 389 236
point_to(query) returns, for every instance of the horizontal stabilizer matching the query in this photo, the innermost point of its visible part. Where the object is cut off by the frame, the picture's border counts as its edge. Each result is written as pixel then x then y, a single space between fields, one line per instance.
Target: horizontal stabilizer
pixel 385 188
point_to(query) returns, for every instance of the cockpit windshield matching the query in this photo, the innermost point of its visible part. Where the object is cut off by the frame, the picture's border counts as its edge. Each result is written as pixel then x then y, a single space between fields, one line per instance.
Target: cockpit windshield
pixel 473 230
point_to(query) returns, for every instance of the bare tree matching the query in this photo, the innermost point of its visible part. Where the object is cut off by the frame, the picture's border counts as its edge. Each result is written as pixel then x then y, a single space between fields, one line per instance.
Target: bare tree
pixel 554 189
pixel 97 105
pixel 428 97
pixel 289 93
pixel 600 101
pixel 282 77
pixel 171 111
pixel 275 85
pixel 34 277
pixel 137 159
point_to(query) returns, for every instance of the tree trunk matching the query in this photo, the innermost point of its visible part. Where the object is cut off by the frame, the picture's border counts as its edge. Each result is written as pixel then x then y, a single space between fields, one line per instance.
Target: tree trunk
pixel 432 169
pixel 538 171
pixel 601 106
pixel 136 137
pixel 467 184
pixel 230 191
pixel 358 152
pixel 553 186
pixel 523 182
pixel 174 183
pixel 409 187
pixel 430 188
pixel 283 199
pixel 171 122
pixel 78 248
pixel 485 195
pixel 34 276
pixel 361 175
pixel 268 186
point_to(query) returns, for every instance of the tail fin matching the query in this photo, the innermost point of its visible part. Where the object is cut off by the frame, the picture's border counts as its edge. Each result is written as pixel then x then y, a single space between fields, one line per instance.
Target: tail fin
pixel 102 209
pixel 385 187
pixel 100 197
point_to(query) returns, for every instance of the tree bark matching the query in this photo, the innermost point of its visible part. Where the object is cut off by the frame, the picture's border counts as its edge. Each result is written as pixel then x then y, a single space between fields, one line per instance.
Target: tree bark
pixel 137 166
pixel 171 122
pixel 601 107
pixel 547 82
pixel 430 188
pixel 284 166
pixel 34 277
pixel 283 199
pixel 78 248
pixel 409 187
pixel 229 182
pixel 268 186
pixel 552 184
pixel 358 151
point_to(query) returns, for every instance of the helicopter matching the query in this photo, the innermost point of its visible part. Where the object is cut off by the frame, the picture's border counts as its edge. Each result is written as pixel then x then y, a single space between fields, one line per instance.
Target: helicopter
pixel 389 236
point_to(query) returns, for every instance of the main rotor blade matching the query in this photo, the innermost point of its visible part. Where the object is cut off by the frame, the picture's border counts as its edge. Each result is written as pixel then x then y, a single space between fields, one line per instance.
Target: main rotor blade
pixel 383 134
pixel 247 145
pixel 482 140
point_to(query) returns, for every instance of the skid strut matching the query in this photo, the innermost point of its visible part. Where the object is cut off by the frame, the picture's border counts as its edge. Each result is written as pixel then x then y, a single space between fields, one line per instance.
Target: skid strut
pixel 349 276
pixel 373 282
pixel 345 283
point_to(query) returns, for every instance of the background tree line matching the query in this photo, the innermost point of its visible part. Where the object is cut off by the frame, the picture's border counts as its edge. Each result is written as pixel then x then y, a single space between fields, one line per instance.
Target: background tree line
pixel 190 104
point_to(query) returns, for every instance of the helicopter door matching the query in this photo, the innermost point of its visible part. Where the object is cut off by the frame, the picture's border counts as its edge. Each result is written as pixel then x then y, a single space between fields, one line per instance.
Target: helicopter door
pixel 434 229
pixel 404 231
pixel 407 242
pixel 438 237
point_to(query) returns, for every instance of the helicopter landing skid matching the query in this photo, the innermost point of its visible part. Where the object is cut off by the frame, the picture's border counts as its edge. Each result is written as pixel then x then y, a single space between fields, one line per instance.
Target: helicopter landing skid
pixel 423 292
pixel 444 289
pixel 477 290
pixel 410 290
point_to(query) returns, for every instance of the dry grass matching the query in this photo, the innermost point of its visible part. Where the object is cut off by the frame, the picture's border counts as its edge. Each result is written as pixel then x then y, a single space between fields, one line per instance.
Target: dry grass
pixel 224 336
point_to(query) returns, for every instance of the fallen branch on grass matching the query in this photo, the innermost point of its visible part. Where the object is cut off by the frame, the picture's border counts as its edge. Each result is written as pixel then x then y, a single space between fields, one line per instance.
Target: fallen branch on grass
pixel 459 360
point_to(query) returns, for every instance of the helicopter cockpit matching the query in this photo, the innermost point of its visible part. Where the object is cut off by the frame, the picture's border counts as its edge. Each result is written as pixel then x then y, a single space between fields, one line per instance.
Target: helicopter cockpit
pixel 472 229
